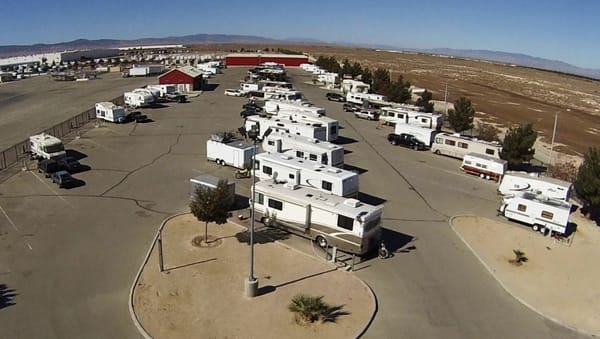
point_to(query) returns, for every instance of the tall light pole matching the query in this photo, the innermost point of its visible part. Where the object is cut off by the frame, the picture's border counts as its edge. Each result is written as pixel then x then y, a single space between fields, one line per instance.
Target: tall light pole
pixel 552 144
pixel 446 98
pixel 251 284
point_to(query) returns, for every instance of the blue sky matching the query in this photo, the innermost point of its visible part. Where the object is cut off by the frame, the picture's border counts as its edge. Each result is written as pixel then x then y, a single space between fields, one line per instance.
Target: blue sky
pixel 560 30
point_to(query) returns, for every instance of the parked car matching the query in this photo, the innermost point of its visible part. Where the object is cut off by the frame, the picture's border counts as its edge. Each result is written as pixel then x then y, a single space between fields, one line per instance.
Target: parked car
pixel 176 97
pixel 137 117
pixel 367 114
pixel 406 140
pixel 253 106
pixel 351 108
pixel 69 164
pixel 62 179
pixel 48 166
pixel 248 112
pixel 335 97
pixel 234 92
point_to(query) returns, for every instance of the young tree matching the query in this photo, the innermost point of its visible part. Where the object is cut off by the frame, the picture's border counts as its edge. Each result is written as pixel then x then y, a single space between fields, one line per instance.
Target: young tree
pixel 366 76
pixel 210 205
pixel 566 171
pixel 587 184
pixel 399 91
pixel 425 102
pixel 381 81
pixel 356 69
pixel 517 146
pixel 461 117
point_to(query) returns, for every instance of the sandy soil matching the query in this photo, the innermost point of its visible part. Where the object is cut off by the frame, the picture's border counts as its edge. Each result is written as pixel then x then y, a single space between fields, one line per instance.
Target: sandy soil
pixel 201 294
pixel 560 280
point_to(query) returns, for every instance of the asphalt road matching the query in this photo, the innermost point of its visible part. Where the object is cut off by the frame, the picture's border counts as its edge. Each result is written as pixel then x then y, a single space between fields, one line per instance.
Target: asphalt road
pixel 69 256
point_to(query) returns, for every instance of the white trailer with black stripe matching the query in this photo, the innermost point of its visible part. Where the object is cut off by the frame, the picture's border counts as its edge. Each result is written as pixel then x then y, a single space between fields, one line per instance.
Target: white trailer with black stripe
pixel 348 224
pixel 323 152
pixel 306 129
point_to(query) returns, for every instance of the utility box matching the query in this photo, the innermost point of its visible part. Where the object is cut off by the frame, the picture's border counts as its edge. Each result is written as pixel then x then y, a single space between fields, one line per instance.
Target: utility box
pixel 211 182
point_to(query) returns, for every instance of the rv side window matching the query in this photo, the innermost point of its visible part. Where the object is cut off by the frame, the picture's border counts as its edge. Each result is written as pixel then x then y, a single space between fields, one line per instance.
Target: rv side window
pixel 312 157
pixel 291 176
pixel 450 142
pixel 522 208
pixel 345 222
pixel 467 162
pixel 333 129
pixel 267 170
pixel 259 198
pixel 256 164
pixel 424 120
pixel 276 204
pixel 324 159
pixel 326 185
pixel 300 154
pixel 547 215
pixel 438 140
pixel 271 143
pixel 463 145
pixel 490 151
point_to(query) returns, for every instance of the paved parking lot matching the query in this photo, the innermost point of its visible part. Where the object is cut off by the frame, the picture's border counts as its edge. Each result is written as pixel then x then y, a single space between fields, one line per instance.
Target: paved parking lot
pixel 71 255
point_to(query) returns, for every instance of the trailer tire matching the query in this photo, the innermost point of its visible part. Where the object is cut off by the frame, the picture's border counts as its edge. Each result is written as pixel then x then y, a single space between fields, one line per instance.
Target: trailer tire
pixel 482 176
pixel 321 241
pixel 437 151
pixel 487 177
pixel 266 221
pixel 535 227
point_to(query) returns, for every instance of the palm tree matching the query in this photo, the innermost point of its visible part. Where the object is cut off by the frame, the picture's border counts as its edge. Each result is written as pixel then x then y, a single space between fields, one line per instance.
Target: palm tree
pixel 308 309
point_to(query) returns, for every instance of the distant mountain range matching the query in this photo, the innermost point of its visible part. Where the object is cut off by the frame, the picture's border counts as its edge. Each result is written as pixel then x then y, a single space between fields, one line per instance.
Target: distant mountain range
pixel 503 57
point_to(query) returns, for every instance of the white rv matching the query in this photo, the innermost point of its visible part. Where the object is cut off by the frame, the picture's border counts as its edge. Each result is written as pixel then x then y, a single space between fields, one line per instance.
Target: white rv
pixel 514 182
pixel 234 153
pixel 275 107
pixel 331 125
pixel 484 166
pixel 542 213
pixel 110 112
pixel 306 129
pixel 423 134
pixel 348 224
pixel 283 95
pixel 457 146
pixel 311 149
pixel 358 98
pixel 138 99
pixel 283 168
pixel 392 116
pixel 247 87
pixel 161 91
pixel 46 146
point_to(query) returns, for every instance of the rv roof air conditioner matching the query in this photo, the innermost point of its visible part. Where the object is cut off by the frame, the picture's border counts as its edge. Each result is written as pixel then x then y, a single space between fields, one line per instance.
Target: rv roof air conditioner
pixel 291 186
pixel 285 157
pixel 352 202
pixel 334 170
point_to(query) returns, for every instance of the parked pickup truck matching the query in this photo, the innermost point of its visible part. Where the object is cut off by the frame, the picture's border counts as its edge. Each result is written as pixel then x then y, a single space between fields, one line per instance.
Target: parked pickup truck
pixel 366 114
pixel 406 140
pixel 351 108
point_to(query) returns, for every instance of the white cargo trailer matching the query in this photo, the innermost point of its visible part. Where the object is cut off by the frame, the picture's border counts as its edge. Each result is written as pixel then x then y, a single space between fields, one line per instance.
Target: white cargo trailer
pixel 46 146
pixel 457 146
pixel 311 149
pixel 514 182
pixel 306 129
pixel 541 213
pixel 287 169
pixel 423 134
pixel 348 224
pixel 235 153
pixel 110 112
pixel 484 166
pixel 211 182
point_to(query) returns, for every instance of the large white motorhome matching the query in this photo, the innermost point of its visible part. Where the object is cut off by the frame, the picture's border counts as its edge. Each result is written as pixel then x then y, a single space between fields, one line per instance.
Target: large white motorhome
pixel 306 129
pixel 542 213
pixel 110 112
pixel 514 182
pixel 311 149
pixel 423 134
pixel 392 116
pixel 348 224
pixel 484 166
pixel 274 107
pixel 458 146
pixel 46 146
pixel 283 168
pixel 233 153
pixel 137 99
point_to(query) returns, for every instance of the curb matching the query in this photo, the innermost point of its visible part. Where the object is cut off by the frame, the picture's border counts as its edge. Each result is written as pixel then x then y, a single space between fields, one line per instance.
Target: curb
pixel 506 289
pixel 132 314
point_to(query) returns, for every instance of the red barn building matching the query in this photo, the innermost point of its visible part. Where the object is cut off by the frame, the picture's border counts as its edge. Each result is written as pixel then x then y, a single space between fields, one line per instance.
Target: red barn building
pixel 186 79
pixel 254 59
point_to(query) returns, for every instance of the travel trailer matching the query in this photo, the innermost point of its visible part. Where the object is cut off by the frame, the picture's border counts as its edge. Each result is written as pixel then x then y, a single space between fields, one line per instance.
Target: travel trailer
pixel 392 116
pixel 46 146
pixel 110 112
pixel 306 129
pixel 332 126
pixel 541 213
pixel 484 166
pixel 275 107
pixel 211 182
pixel 282 168
pixel 283 95
pixel 348 224
pixel 234 153
pixel 359 98
pixel 457 146
pixel 137 99
pixel 305 148
pixel 514 182
pixel 162 90
pixel 423 134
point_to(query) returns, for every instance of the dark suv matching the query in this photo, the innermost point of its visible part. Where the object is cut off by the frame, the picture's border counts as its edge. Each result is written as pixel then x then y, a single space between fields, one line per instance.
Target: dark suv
pixel 69 164
pixel 335 97
pixel 48 166
pixel 406 140
pixel 63 179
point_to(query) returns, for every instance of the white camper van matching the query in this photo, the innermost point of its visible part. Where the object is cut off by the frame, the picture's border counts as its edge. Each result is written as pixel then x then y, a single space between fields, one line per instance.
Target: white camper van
pixel 348 224
pixel 306 129
pixel 484 166
pixel 423 134
pixel 233 153
pixel 514 182
pixel 46 146
pixel 283 168
pixel 110 112
pixel 392 116
pixel 138 99
pixel 457 146
pixel 305 148
pixel 542 213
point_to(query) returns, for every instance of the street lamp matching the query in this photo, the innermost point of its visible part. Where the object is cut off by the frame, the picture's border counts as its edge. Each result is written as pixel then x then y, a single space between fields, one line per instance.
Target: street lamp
pixel 251 284
pixel 552 143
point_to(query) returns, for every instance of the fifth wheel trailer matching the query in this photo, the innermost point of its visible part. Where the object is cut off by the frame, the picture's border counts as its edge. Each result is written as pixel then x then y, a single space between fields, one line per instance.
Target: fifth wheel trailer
pixel 306 129
pixel 541 213
pixel 311 149
pixel 514 182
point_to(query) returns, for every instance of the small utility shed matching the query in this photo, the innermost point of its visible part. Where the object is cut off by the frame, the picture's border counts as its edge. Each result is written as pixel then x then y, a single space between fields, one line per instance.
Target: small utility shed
pixel 186 79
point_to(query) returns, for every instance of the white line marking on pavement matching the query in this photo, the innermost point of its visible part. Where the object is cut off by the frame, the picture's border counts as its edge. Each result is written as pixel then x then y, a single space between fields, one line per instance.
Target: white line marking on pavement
pixel 51 189
pixel 14 226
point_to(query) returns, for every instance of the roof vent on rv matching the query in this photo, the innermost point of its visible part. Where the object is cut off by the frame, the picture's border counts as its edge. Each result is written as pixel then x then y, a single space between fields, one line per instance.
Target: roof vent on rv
pixel 285 157
pixel 290 185
pixel 334 170
pixel 352 202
